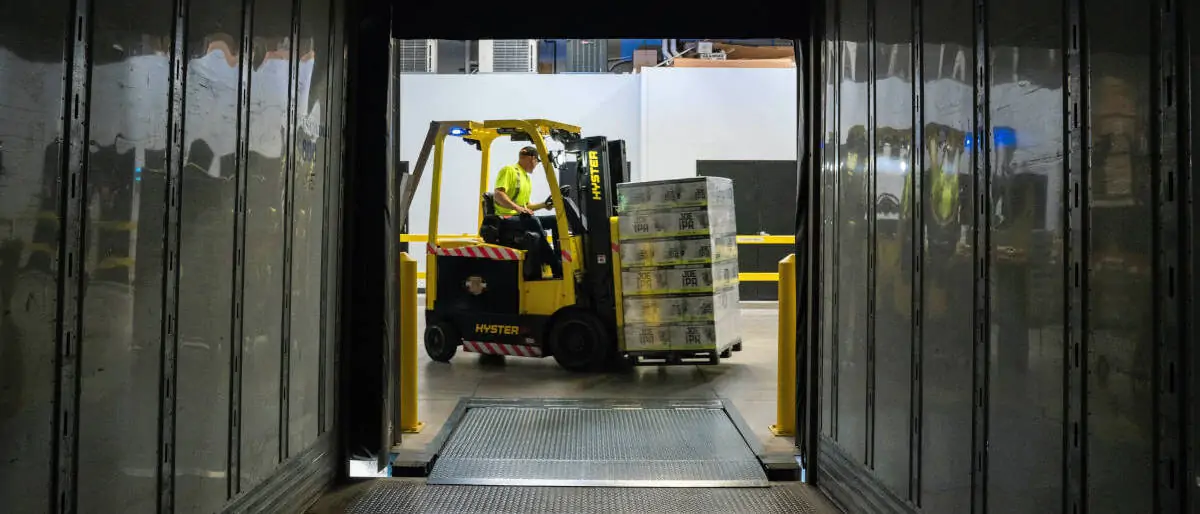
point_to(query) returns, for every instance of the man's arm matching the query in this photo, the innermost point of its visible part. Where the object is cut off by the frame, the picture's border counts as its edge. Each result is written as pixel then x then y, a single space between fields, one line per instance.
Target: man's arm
pixel 503 199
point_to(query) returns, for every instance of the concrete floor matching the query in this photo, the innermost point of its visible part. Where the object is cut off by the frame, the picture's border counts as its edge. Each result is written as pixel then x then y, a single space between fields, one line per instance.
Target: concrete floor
pixel 748 379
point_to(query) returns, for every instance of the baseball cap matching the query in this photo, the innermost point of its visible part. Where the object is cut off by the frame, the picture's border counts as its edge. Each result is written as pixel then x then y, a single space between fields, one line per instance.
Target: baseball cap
pixel 531 151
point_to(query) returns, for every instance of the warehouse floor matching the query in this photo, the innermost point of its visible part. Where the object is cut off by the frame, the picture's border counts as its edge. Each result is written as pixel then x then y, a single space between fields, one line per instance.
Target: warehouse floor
pixel 748 379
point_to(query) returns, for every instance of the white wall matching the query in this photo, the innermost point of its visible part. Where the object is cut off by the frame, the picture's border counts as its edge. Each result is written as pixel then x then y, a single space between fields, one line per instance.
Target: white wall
pixel 691 114
pixel 601 104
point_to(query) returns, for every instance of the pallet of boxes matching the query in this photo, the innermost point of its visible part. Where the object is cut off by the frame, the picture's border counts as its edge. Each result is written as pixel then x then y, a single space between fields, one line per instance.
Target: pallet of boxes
pixel 679 270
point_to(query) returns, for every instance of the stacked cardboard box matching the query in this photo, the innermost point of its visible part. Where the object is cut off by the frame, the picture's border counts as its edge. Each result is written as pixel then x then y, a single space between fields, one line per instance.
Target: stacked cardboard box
pixel 679 269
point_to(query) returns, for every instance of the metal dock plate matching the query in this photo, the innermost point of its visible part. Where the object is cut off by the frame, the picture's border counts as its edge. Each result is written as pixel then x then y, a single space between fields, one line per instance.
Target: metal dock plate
pixel 414 497
pixel 613 446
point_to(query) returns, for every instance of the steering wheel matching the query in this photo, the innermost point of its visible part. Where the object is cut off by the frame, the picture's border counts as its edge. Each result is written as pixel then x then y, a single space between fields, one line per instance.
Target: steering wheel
pixel 566 193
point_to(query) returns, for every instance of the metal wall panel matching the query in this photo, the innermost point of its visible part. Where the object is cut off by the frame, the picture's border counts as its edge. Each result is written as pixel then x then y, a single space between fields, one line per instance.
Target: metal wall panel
pixel 1120 282
pixel 153 157
pixel 1023 152
pixel 33 40
pixel 830 63
pixel 1030 293
pixel 1190 54
pixel 206 257
pixel 945 209
pixel 308 214
pixel 853 233
pixel 892 170
pixel 123 257
pixel 266 200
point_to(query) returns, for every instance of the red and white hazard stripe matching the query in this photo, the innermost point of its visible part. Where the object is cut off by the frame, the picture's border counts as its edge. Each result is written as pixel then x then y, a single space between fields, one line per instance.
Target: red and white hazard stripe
pixel 502 349
pixel 566 256
pixel 495 253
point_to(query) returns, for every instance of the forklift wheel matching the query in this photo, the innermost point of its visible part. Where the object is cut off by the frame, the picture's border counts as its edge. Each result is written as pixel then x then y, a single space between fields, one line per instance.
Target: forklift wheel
pixel 578 341
pixel 441 341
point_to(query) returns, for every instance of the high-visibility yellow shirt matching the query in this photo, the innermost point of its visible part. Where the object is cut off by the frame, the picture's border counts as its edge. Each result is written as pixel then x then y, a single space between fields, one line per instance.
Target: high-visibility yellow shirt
pixel 516 184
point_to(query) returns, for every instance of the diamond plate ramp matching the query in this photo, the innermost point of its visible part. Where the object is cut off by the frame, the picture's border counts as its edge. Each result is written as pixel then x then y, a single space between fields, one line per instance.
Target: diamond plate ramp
pixel 414 497
pixel 597 447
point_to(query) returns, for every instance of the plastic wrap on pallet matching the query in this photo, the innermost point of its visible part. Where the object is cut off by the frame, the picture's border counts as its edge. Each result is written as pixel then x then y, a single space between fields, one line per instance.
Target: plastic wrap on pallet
pixel 647 338
pixel 680 308
pixel 713 336
pixel 667 194
pixel 679 279
pixel 674 252
pixel 677 223
pixel 679 269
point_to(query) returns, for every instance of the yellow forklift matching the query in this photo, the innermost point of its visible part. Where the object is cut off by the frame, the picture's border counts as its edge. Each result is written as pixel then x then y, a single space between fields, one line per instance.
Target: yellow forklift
pixel 492 292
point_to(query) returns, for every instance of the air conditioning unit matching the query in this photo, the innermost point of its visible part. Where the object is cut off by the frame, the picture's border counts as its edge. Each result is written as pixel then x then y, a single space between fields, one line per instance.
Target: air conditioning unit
pixel 508 56
pixel 415 55
pixel 587 56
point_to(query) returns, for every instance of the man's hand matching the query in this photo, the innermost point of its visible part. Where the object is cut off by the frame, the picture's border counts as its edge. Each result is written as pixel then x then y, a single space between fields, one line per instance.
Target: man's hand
pixel 524 210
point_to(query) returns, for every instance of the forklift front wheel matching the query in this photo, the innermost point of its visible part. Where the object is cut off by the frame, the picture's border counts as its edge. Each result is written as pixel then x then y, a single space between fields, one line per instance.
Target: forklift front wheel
pixel 578 341
pixel 441 341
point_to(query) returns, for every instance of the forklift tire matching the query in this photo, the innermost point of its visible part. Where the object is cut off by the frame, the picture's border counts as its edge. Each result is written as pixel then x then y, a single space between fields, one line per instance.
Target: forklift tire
pixel 578 341
pixel 441 341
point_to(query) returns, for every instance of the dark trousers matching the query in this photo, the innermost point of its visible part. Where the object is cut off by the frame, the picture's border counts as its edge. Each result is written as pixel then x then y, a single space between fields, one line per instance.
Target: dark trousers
pixel 550 256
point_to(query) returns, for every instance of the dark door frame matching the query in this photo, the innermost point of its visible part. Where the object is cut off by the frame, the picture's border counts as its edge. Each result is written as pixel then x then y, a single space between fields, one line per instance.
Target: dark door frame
pixel 364 306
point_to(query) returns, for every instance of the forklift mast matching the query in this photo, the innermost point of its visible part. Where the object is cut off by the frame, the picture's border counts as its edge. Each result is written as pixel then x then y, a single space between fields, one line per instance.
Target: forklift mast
pixel 599 165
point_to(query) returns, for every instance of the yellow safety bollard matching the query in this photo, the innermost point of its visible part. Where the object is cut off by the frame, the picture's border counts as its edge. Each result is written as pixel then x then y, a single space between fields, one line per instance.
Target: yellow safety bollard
pixel 408 345
pixel 785 401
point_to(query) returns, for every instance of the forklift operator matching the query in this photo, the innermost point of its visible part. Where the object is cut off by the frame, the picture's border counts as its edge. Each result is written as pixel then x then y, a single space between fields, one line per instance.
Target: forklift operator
pixel 513 187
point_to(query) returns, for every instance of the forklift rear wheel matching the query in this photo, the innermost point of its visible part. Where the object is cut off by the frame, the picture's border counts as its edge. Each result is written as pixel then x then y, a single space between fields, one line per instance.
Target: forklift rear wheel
pixel 441 341
pixel 578 341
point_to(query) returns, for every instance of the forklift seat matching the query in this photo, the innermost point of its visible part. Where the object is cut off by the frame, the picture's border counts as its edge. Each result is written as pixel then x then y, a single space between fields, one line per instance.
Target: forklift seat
pixel 511 232
pixel 489 230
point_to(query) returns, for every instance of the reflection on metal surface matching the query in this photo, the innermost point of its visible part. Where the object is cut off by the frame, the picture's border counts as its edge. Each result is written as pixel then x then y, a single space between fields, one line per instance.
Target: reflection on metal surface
pixel 853 234
pixel 893 168
pixel 31 102
pixel 123 258
pixel 1045 235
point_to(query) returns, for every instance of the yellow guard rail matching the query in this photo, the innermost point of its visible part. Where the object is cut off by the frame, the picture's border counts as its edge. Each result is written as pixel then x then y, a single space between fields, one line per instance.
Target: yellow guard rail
pixel 785 396
pixel 408 346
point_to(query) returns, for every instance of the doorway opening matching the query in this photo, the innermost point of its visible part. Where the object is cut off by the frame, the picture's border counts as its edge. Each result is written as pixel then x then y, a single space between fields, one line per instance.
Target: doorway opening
pixel 682 109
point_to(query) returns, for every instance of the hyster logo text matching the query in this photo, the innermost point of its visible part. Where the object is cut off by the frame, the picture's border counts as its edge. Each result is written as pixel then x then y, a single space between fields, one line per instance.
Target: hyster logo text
pixel 508 330
pixel 594 173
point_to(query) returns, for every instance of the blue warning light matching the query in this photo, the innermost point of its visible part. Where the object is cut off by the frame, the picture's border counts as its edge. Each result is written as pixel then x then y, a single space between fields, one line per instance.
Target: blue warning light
pixel 458 131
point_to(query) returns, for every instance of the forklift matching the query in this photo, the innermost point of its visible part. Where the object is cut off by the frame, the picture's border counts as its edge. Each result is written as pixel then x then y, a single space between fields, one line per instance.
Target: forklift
pixel 492 293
